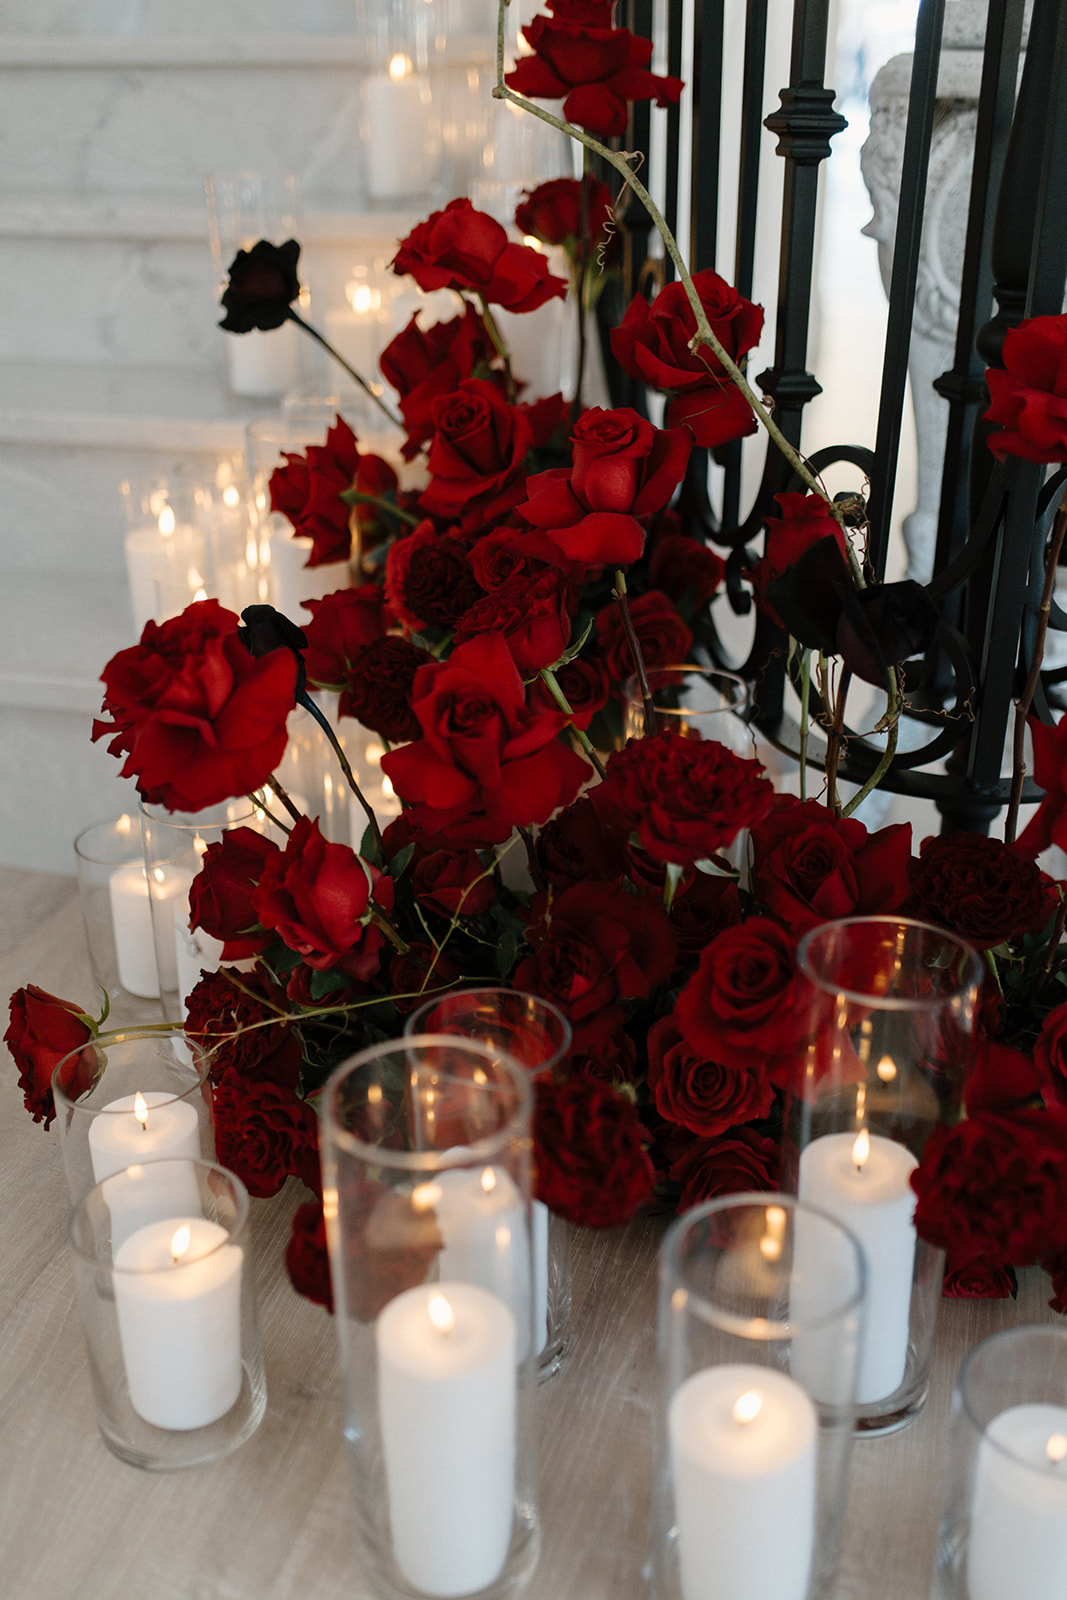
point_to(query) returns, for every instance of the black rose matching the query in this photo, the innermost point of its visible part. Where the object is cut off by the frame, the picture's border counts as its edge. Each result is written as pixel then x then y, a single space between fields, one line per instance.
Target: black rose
pixel 263 284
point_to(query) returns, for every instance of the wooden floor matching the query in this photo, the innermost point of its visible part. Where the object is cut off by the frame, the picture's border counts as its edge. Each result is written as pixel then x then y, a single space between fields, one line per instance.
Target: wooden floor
pixel 273 1521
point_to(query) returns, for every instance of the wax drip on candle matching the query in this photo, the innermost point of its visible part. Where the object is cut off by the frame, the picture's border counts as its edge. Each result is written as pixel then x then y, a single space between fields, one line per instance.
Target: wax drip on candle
pixel 861 1149
pixel 180 1243
pixel 747 1407
pixel 1056 1449
pixel 140 1110
pixel 441 1314
pixel 771 1243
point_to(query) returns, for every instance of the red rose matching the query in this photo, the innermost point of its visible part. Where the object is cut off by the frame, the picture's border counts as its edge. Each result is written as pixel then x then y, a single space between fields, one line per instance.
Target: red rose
pixel 477 456
pixel 575 847
pixel 379 688
pixel 319 898
pixel 995 1187
pixel 341 624
pixel 976 1279
pixel 1004 1079
pixel 699 1092
pixel 652 344
pixel 686 799
pixel 306 1258
pixel 591 1166
pixel 603 1051
pixel 424 366
pixel 308 491
pixel 685 569
pixel 1047 826
pixel 233 1017
pixel 388 1247
pixel 744 1163
pixel 461 248
pixel 594 945
pixel 453 881
pixel 805 522
pixel 980 888
pixel 595 70
pixel 702 909
pixel 585 686
pixel 623 469
pixel 572 212
pixel 485 764
pixel 661 633
pixel 264 1133
pixel 42 1030
pixel 220 898
pixel 533 614
pixel 1029 398
pixel 810 867
pixel 1050 1058
pixel 739 1005
pixel 198 718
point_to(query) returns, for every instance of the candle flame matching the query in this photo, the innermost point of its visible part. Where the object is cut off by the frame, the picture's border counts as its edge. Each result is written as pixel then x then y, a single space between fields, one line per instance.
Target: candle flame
pixel 167 521
pixel 1056 1449
pixel 861 1149
pixel 388 792
pixel 159 875
pixel 199 845
pixel 441 1314
pixel 180 1242
pixel 426 1196
pixel 140 1109
pixel 399 67
pixel 747 1406
pixel 479 1077
pixel 771 1243
pixel 886 1069
pixel 231 496
pixel 488 1180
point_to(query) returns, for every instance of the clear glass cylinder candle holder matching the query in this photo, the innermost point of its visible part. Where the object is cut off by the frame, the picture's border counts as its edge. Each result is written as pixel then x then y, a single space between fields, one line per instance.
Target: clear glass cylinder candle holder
pixel 104 1128
pixel 283 554
pixel 885 1018
pixel 169 1311
pixel 426 1170
pixel 1004 1524
pixel 754 1443
pixel 699 702
pixel 117 915
pixel 535 1033
pixel 175 844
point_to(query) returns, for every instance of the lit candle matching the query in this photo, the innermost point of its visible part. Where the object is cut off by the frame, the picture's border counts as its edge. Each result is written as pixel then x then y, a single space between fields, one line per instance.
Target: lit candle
pixel 402 153
pixel 159 560
pixel 863 1181
pixel 178 1302
pixel 482 1222
pixel 142 1127
pixel 446 1390
pixel 1018 1539
pixel 131 917
pixel 742 1448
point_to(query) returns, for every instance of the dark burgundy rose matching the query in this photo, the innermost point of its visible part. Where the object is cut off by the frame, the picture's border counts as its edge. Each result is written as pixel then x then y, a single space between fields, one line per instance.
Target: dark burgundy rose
pixel 319 898
pixel 995 1187
pixel 589 1157
pixel 1050 1057
pixel 461 248
pixel 1029 398
pixel 740 1004
pixel 263 284
pixel 264 628
pixel 698 1092
pixel 594 945
pixel 220 898
pixel 477 457
pixel 572 212
pixel 653 344
pixel 341 624
pixel 707 905
pixel 1005 1079
pixel 663 636
pixel 811 867
pixel 685 799
pixel 743 1162
pixel 806 532
pixel 234 1017
pixel 981 888
pixel 603 1051
pixel 685 569
pixel 486 763
pixel 306 1258
pixel 978 1280
pixel 42 1030
pixel 423 366
pixel 453 881
pixel 882 625
pixel 594 68
pixel 532 613
pixel 197 717
pixel 575 847
pixel 264 1133
pixel 379 688
pixel 438 585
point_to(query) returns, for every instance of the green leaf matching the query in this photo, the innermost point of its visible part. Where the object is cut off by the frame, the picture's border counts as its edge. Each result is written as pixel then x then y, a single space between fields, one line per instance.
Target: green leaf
pixel 399 863
pixel 572 650
pixel 323 984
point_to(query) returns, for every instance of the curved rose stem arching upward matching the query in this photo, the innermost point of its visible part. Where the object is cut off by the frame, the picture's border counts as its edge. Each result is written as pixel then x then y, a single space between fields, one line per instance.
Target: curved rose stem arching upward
pixel 352 373
pixel 551 683
pixel 350 778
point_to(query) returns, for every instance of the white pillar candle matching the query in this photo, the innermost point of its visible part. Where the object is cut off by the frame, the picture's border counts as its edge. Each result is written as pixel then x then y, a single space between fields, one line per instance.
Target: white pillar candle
pixel 195 950
pixel 870 1193
pixel 119 1137
pixel 179 1316
pixel 1018 1538
pixel 743 1448
pixel 446 1391
pixel 292 581
pixel 539 1226
pixel 401 153
pixel 162 560
pixel 263 363
pixel 131 917
pixel 482 1221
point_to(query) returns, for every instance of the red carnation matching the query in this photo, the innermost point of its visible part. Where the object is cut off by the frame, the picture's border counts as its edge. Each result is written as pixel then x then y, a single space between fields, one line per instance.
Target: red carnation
pixel 42 1030
pixel 234 1017
pixel 980 888
pixel 379 688
pixel 264 1133
pixel 591 1165
pixel 532 613
pixel 306 1258
pixel 1029 398
pixel 461 248
pixel 198 718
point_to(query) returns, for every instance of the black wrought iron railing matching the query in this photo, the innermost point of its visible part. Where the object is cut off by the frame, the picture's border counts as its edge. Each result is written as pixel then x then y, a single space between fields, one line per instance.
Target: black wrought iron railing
pixel 994 520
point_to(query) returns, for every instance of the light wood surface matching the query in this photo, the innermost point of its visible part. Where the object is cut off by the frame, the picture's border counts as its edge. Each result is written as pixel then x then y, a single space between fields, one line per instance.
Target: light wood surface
pixel 273 1521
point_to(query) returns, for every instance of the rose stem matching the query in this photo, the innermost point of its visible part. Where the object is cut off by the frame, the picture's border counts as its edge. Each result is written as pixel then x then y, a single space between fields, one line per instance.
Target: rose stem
pixel 833 745
pixel 350 777
pixel 352 497
pixel 260 804
pixel 1022 709
pixel 1054 941
pixel 283 796
pixel 531 860
pixel 489 324
pixel 805 701
pixel 352 373
pixel 619 594
pixel 548 678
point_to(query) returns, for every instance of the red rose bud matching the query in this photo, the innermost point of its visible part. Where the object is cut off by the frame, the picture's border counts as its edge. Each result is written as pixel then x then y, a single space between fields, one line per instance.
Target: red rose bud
pixel 978 1280
pixel 595 69
pixel 198 718
pixel 477 457
pixel 317 897
pixel 589 1157
pixel 262 286
pixel 41 1031
pixel 461 248
pixel 220 897
pixel 567 211
pixel 1029 398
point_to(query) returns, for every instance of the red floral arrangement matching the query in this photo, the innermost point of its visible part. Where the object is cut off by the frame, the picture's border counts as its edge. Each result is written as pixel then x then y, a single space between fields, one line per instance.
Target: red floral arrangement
pixel 509 600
